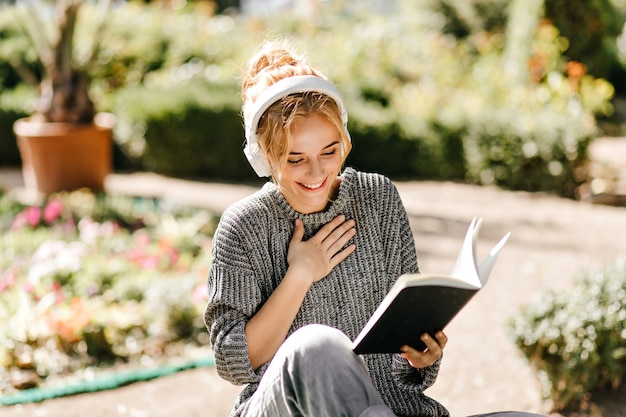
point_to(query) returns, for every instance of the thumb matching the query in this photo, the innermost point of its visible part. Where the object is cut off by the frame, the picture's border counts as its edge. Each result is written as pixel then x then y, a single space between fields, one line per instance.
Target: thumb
pixel 298 230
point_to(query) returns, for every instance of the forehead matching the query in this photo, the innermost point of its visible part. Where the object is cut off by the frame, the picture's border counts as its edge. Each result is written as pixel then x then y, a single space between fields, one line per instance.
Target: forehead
pixel 312 132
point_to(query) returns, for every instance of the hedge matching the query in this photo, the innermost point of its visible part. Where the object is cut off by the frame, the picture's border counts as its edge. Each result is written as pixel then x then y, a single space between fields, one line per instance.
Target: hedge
pixel 423 104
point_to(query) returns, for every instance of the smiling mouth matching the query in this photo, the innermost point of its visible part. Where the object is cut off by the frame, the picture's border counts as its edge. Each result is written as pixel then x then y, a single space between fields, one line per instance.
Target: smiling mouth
pixel 313 186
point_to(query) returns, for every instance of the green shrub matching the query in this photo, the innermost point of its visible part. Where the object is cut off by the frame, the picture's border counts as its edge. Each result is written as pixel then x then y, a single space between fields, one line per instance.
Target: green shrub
pixel 576 340
pixel 537 137
pixel 13 105
pixel 592 28
pixel 146 44
pixel 422 103
pixel 463 18
pixel 191 130
pixel 14 47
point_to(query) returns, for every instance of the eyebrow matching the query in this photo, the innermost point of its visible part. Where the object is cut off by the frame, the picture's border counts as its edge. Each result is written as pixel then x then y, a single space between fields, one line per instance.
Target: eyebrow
pixel 330 145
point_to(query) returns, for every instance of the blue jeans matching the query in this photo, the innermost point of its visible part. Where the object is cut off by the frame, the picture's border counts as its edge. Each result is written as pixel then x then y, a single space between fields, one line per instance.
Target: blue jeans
pixel 315 373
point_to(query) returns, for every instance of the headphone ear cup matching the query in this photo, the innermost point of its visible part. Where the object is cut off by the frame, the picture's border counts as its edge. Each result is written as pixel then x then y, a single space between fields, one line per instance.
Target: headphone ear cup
pixel 257 160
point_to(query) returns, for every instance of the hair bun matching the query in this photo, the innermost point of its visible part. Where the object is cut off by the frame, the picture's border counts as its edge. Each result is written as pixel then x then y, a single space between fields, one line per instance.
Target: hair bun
pixel 271 59
pixel 274 61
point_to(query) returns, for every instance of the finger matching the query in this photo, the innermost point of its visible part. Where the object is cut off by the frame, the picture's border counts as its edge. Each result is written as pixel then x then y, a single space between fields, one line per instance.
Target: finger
pixel 298 230
pixel 341 241
pixel 341 234
pixel 432 345
pixel 416 358
pixel 329 227
pixel 442 339
pixel 335 260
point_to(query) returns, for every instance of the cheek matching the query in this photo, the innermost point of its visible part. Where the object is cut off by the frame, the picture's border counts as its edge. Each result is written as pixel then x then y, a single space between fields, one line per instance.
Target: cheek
pixel 333 164
pixel 280 170
pixel 287 174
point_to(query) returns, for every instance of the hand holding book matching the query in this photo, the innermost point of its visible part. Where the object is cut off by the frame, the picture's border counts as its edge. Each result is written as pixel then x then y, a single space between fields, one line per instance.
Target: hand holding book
pixel 426 303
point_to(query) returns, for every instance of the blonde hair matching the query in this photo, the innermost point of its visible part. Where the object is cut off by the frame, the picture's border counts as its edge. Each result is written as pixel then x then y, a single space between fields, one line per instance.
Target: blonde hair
pixel 273 62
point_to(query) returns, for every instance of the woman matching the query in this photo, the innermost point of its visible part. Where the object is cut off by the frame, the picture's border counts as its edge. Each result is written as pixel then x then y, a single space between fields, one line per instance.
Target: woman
pixel 300 266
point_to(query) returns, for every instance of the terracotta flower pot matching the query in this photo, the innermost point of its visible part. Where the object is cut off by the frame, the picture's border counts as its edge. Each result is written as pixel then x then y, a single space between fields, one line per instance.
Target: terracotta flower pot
pixel 65 156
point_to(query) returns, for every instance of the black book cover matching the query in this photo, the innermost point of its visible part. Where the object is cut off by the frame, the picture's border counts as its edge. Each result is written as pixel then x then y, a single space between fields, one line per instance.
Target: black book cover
pixel 425 303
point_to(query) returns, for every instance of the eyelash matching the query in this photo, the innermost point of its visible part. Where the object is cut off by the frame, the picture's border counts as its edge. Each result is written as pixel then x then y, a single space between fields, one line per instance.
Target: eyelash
pixel 330 153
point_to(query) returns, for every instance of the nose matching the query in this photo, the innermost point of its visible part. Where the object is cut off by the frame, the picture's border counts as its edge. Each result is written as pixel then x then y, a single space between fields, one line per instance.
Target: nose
pixel 316 169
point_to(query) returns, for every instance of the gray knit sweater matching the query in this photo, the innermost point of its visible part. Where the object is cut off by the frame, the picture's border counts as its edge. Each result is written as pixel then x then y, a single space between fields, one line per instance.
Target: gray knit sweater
pixel 250 259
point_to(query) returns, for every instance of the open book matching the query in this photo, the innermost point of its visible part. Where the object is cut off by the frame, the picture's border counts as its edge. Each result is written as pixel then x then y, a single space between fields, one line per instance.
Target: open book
pixel 425 303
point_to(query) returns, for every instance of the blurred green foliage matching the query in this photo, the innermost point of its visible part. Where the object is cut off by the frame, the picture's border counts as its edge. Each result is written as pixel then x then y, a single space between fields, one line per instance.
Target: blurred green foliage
pixel 576 340
pixel 189 130
pixel 592 28
pixel 431 91
pixel 12 107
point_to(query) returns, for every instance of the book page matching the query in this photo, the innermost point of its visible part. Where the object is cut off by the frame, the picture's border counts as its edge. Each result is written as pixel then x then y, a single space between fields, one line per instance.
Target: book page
pixel 485 267
pixel 467 267
pixel 466 264
pixel 417 280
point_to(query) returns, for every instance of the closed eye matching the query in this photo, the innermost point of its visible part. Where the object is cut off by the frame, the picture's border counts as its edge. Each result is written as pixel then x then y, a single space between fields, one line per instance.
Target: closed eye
pixel 330 150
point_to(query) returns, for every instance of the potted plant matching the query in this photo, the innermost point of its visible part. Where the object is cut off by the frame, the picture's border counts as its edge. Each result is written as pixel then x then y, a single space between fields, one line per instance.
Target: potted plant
pixel 65 143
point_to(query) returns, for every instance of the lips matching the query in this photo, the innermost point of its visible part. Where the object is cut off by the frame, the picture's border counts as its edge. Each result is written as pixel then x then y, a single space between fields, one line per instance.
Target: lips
pixel 313 186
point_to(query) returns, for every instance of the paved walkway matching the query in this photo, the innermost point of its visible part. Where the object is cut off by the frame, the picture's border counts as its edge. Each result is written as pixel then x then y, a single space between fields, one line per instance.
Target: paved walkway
pixel 552 241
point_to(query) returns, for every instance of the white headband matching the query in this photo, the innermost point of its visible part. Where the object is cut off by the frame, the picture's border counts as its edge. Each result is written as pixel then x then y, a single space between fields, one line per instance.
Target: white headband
pixel 278 90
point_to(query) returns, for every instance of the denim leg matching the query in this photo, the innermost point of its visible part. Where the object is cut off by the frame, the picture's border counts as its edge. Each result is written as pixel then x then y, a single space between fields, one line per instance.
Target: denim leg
pixel 315 373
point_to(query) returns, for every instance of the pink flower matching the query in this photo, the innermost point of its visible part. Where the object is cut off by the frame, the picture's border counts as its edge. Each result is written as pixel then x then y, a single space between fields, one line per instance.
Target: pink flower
pixel 33 216
pixel 30 216
pixel 19 221
pixel 143 239
pixel 135 255
pixel 52 211
pixel 150 262
pixel 166 247
pixel 200 294
pixel 8 280
pixel 174 257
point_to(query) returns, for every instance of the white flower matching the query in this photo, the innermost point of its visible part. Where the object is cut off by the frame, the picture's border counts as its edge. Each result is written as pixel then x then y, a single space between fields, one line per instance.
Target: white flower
pixel 55 256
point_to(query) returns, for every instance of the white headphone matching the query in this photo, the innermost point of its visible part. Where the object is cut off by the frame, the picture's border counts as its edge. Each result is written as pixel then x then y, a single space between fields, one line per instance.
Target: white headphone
pixel 278 90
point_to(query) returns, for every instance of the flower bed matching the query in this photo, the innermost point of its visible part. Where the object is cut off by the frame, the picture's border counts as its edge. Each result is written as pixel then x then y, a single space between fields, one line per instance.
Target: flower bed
pixel 90 282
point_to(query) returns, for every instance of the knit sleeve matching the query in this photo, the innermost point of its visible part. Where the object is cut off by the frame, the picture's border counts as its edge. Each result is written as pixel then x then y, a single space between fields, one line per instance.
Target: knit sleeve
pixel 234 296
pixel 411 379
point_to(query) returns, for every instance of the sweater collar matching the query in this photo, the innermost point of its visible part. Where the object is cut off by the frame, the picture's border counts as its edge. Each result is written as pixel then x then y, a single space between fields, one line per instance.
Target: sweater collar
pixel 336 207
